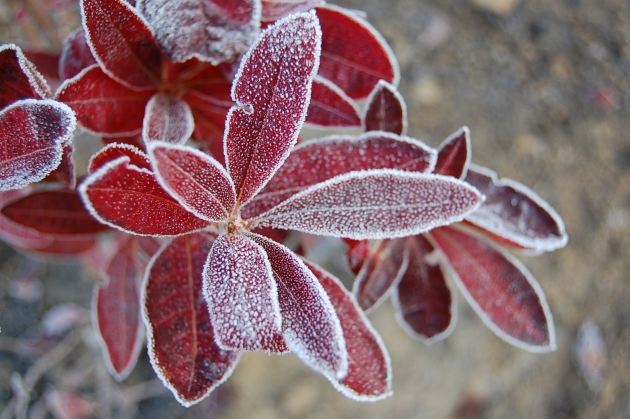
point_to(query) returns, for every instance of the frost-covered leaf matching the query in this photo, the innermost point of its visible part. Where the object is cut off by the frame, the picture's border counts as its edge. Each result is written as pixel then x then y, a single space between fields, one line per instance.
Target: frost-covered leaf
pixel 129 198
pixel 210 30
pixel 242 296
pixel 65 172
pixel 122 43
pixel 273 10
pixel 318 160
pixel 167 119
pixel 425 304
pixel 515 213
pixel 454 155
pixel 115 150
pixel 271 90
pixel 354 55
pixel 330 107
pixel 180 334
pixel 499 288
pixel 75 55
pixel 116 309
pixel 369 370
pixel 104 106
pixel 309 323
pixel 385 110
pixel 20 80
pixel 32 134
pixel 197 181
pixel 375 204
pixel 53 212
pixel 380 273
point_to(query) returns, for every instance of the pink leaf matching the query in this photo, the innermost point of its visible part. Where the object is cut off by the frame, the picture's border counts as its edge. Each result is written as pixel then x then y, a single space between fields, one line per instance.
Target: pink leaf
pixel 380 273
pixel 271 90
pixel 354 55
pixel 180 334
pixel 32 134
pixel 309 323
pixel 113 151
pixel 197 181
pixel 499 288
pixel 369 369
pixel 514 212
pixel 318 160
pixel 454 155
pixel 129 198
pixel 167 119
pixel 425 304
pixel 242 296
pixel 103 106
pixel 20 79
pixel 385 110
pixel 122 43
pixel 330 107
pixel 273 10
pixel 375 204
pixel 358 251
pixel 116 308
pixel 75 55
pixel 214 31
pixel 61 247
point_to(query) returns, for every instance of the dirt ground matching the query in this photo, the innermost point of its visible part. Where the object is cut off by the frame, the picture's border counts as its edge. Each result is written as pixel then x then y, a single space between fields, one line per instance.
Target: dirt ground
pixel 544 87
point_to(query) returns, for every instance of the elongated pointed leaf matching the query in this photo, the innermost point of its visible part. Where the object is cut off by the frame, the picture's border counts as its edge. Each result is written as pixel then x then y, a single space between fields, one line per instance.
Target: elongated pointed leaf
pixel 309 322
pixel 167 119
pixel 369 369
pixel 385 110
pixel 242 296
pixel 104 106
pixel 197 181
pixel 454 155
pixel 499 288
pixel 515 213
pixel 319 160
pixel 271 90
pixel 424 302
pixel 375 204
pixel 129 198
pixel 115 150
pixel 116 310
pixel 180 334
pixel 214 31
pixel 330 107
pixel 122 43
pixel 32 134
pixel 273 10
pixel 20 80
pixel 354 55
pixel 380 273
pixel 75 55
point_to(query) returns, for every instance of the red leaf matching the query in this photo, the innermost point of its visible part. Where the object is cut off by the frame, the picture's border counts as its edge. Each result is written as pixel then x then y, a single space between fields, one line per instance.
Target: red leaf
pixel 330 107
pixel 113 151
pixel 354 55
pixel 116 308
pixel 103 106
pixel 242 296
pixel 499 288
pixel 180 335
pixel 380 273
pixel 214 31
pixel 20 79
pixel 271 91
pixel 59 247
pixel 454 155
pixel 310 326
pixel 358 251
pixel 385 110
pixel 369 369
pixel 167 119
pixel 122 43
pixel 15 234
pixel 46 62
pixel 424 302
pixel 32 134
pixel 66 169
pixel 375 204
pixel 273 10
pixel 75 55
pixel 197 181
pixel 318 160
pixel 129 198
pixel 515 213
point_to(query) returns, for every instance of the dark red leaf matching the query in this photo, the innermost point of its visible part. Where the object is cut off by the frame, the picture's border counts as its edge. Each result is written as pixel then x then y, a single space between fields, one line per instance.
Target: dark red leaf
pixel 271 90
pixel 66 169
pixel 113 151
pixel 502 292
pixel 358 251
pixel 75 55
pixel 46 62
pixel 61 247
pixel 19 79
pixel 385 110
pixel 330 107
pixel 180 335
pixel 354 55
pixel 167 119
pixel 15 234
pixel 132 140
pixel 454 155
pixel 273 10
